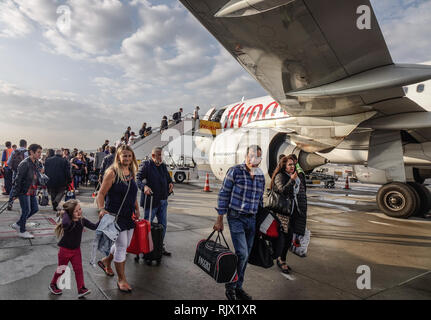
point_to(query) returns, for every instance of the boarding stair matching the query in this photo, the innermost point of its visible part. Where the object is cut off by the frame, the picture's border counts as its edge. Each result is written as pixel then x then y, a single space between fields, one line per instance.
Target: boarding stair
pixel 143 146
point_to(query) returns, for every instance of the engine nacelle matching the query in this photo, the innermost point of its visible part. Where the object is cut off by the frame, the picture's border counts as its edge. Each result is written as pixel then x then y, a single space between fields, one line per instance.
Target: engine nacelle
pixel 229 148
pixel 375 176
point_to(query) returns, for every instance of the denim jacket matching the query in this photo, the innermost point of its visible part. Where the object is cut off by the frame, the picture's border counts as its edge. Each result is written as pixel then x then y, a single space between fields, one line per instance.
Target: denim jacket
pixel 106 235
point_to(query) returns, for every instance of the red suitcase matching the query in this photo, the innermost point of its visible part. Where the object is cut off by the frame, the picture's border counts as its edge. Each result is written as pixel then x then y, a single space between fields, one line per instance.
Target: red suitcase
pixel 142 241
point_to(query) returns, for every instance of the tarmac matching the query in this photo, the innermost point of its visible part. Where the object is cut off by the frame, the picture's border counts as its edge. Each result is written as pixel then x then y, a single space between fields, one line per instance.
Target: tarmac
pixel 347 232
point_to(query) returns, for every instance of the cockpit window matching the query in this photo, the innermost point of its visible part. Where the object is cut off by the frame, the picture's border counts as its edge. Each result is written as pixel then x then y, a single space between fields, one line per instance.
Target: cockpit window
pixel 406 90
pixel 420 88
pixel 217 115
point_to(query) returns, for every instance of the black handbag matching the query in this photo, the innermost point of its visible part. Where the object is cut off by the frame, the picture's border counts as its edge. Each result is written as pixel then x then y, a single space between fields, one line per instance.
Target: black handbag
pixel 43 197
pixel 277 203
pixel 261 254
pixel 217 260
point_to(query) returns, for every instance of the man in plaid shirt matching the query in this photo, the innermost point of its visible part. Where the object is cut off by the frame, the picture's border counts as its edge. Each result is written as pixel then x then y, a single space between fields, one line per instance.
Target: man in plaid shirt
pixel 239 198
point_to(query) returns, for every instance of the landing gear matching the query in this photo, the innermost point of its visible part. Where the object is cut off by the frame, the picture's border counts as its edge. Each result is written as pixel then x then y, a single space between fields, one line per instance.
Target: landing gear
pixel 424 199
pixel 397 200
pixel 402 200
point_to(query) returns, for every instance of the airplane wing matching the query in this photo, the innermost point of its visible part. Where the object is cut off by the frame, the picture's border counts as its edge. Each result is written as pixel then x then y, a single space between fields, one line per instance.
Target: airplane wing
pixel 314 51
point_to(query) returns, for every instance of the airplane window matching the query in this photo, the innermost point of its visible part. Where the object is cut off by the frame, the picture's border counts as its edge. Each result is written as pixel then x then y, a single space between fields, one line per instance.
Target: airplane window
pixel 236 116
pixel 254 114
pixel 420 88
pixel 267 111
pixel 260 112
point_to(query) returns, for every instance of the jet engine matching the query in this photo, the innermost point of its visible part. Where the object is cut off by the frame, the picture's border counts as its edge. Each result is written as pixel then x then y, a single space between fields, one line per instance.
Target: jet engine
pixel 229 148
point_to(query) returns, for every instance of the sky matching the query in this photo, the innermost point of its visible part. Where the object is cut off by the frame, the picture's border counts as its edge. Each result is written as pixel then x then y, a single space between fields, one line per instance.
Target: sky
pixel 76 72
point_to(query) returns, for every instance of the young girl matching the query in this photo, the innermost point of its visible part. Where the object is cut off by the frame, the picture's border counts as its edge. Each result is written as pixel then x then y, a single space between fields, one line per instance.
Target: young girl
pixel 70 229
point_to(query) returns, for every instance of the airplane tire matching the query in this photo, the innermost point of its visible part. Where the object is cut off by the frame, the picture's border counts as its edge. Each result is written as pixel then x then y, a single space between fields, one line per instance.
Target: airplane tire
pixel 425 198
pixel 180 177
pixel 397 200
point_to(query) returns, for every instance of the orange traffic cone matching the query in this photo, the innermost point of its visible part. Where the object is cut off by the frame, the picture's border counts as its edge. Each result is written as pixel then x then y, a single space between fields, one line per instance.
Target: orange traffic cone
pixel 207 184
pixel 347 184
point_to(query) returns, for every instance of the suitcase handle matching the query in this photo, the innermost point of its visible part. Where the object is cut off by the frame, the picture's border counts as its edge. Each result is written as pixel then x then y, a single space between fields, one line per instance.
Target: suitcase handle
pixel 218 238
pixel 151 204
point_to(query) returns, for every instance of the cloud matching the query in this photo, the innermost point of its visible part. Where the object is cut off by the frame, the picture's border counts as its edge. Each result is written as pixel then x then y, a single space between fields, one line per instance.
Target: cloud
pixel 84 28
pixel 13 23
pixel 405 26
pixel 63 115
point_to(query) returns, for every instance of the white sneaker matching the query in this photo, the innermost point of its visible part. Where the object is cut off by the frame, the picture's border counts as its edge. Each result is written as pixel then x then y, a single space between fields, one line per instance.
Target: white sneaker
pixel 25 235
pixel 15 226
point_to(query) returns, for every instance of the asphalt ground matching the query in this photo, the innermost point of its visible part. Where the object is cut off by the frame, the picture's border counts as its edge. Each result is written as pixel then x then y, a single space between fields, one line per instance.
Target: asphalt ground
pixel 347 232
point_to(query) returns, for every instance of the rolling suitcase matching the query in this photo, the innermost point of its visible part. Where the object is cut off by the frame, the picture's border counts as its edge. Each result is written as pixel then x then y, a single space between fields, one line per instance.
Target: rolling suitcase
pixel 157 237
pixel 156 254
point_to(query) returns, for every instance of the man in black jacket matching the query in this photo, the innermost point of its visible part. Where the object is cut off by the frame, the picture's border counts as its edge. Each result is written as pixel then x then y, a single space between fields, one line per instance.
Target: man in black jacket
pixel 25 188
pixel 107 162
pixel 177 116
pixel 57 169
pixel 154 179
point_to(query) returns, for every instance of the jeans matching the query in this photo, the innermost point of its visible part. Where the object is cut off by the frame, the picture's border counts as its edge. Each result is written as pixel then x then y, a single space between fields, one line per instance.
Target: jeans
pixel 242 230
pixel 8 173
pixel 161 213
pixel 74 256
pixel 76 180
pixel 28 208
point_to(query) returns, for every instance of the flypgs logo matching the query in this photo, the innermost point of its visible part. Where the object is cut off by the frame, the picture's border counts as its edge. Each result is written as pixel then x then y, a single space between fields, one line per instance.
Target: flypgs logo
pixel 238 114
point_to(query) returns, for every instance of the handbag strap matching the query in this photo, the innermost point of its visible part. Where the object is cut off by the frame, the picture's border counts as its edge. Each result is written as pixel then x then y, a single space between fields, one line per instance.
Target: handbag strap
pixel 124 199
pixel 218 239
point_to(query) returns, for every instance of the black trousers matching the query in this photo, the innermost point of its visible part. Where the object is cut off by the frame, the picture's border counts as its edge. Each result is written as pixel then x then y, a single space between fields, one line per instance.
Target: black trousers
pixel 8 173
pixel 287 240
pixel 56 196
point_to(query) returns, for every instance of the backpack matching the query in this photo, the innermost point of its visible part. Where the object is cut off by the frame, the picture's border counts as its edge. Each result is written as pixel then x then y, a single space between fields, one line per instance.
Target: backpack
pixel 17 157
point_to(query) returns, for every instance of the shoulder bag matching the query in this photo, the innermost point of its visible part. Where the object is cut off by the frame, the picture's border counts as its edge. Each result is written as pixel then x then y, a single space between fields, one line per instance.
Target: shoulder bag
pixel 277 202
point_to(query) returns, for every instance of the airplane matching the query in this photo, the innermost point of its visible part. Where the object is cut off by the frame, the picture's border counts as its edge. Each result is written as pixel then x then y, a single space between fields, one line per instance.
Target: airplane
pixel 335 94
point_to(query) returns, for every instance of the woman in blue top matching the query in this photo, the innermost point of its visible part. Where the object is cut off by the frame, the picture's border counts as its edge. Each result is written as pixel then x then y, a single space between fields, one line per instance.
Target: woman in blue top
pixel 120 189
pixel 79 168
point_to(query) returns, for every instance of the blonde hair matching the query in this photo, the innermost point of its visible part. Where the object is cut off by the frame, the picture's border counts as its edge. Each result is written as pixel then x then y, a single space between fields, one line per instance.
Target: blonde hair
pixel 117 166
pixel 68 208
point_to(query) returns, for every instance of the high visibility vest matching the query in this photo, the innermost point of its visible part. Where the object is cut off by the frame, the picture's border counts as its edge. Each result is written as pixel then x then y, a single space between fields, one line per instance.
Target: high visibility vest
pixel 299 169
pixel 8 153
